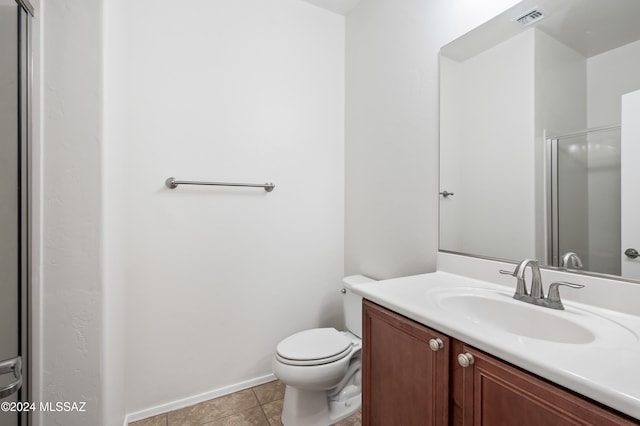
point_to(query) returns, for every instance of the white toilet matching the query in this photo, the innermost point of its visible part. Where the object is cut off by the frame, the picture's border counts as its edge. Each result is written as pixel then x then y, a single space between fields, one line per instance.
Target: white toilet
pixel 321 367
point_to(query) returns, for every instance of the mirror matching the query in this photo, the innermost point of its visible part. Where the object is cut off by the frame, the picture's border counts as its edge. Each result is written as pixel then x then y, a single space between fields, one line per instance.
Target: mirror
pixel 530 139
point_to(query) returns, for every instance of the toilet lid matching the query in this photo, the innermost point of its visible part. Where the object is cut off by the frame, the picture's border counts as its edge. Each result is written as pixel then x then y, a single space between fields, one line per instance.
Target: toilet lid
pixel 316 346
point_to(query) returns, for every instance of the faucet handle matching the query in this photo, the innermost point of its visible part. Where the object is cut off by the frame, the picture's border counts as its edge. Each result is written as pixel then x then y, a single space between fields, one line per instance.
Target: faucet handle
pixel 521 287
pixel 553 299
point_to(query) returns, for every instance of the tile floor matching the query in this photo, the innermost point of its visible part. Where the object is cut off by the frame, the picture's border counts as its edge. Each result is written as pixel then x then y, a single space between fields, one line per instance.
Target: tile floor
pixel 258 406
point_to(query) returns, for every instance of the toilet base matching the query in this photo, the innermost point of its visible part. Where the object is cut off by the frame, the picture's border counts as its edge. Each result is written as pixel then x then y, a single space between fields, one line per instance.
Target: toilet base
pixel 313 408
pixel 343 409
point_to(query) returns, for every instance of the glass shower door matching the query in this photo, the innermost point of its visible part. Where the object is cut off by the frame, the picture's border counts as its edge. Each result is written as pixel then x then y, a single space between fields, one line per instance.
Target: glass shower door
pixel 585 198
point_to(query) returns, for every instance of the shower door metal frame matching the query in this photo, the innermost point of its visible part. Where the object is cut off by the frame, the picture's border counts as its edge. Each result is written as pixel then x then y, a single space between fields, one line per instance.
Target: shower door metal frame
pixel 25 135
pixel 553 240
pixel 27 6
pixel 21 386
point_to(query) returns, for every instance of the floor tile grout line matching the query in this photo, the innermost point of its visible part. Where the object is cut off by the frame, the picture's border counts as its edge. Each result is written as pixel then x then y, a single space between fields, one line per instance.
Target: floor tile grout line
pixel 253 389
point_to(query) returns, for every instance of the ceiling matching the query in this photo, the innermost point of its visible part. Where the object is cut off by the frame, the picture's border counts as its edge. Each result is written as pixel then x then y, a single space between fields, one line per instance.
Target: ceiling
pixel 341 7
pixel 590 27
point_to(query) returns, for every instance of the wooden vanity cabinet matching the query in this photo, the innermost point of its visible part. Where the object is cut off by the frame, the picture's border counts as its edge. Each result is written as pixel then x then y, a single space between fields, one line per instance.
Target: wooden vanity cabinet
pixel 492 392
pixel 406 383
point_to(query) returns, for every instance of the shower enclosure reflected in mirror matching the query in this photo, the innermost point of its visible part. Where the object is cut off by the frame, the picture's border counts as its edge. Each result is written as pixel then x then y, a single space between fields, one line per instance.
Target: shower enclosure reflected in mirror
pixel 584 199
pixel 522 98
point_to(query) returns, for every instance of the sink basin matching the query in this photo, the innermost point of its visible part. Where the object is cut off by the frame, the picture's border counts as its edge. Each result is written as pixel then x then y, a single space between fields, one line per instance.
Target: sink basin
pixel 517 318
pixel 497 310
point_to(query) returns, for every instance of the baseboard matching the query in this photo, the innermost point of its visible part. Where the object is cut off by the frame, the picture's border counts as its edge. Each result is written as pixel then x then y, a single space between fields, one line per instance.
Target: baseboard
pixel 185 402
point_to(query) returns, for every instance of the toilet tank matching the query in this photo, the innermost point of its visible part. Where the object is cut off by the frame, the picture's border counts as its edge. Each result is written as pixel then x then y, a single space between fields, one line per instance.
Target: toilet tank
pixel 352 303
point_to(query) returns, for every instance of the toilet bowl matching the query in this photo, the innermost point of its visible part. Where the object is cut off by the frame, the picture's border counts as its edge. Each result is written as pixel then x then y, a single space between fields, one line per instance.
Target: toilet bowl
pixel 321 368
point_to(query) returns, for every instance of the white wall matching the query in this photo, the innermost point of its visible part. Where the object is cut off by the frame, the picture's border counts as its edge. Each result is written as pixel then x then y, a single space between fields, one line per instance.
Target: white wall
pixel 71 287
pixel 452 141
pixel 494 122
pixel 391 225
pixel 212 278
pixel 610 75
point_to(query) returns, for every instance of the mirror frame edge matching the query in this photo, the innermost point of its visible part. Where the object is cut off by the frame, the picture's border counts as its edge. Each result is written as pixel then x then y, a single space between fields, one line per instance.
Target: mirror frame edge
pixel 547 267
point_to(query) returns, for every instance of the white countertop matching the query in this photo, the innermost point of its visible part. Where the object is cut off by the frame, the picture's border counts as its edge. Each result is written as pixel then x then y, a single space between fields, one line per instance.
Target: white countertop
pixel 605 369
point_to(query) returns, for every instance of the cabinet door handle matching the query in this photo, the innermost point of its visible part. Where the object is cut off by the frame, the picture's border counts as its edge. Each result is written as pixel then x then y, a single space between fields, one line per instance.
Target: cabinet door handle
pixel 436 344
pixel 465 359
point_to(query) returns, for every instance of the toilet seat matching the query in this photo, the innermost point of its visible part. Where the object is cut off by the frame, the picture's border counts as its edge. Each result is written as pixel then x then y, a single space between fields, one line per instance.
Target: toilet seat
pixel 314 347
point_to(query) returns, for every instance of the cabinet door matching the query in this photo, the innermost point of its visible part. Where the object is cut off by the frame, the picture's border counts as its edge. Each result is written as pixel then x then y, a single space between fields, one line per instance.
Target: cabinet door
pixel 405 382
pixel 496 393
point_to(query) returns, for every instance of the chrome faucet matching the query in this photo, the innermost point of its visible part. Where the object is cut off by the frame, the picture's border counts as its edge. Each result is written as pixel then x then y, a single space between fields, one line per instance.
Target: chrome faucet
pixel 574 258
pixel 536 297
pixel 521 286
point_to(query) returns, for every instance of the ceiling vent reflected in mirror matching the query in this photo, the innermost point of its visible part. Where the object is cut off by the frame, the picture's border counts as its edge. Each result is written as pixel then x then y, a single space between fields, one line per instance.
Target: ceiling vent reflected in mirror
pixel 530 17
